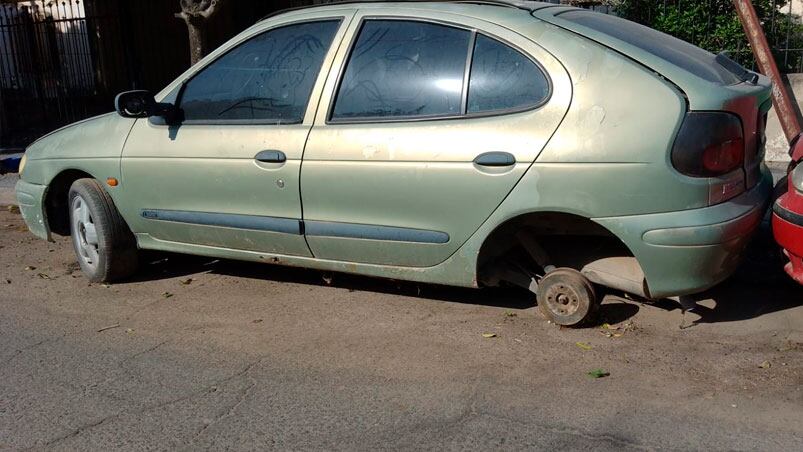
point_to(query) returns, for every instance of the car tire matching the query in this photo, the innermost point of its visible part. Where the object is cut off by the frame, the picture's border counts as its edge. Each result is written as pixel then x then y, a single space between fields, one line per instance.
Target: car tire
pixel 104 245
pixel 567 298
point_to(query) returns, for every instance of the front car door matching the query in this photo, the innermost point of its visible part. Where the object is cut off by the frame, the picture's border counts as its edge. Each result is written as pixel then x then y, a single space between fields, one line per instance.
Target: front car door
pixel 425 126
pixel 228 175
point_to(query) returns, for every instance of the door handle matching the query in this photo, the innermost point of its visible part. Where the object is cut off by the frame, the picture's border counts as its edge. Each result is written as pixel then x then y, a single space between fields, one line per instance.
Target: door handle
pixel 495 159
pixel 271 157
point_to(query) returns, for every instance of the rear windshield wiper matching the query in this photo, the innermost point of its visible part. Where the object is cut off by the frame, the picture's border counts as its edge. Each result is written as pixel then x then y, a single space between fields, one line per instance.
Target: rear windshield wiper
pixel 736 69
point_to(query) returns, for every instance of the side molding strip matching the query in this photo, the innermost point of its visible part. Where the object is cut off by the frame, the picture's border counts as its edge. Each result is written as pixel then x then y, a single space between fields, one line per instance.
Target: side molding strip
pixel 252 222
pixel 298 227
pixel 372 232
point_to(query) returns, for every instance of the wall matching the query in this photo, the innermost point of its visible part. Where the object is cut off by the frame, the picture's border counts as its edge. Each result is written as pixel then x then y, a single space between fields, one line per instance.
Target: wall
pixel 777 146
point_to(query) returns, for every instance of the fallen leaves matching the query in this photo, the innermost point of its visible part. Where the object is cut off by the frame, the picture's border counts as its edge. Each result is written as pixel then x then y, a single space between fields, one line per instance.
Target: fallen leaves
pixel 30 268
pixel 13 209
pixel 765 365
pixel 583 345
pixel 186 282
pixel 44 276
pixel 489 335
pixel 598 373
pixel 167 295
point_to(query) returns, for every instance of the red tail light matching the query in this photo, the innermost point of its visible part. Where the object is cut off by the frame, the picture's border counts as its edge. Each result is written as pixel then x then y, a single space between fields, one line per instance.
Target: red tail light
pixel 709 144
pixel 724 158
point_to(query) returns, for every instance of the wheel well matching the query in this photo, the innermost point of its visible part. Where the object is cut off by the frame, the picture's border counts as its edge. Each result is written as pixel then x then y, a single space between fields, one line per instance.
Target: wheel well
pixel 526 247
pixel 56 202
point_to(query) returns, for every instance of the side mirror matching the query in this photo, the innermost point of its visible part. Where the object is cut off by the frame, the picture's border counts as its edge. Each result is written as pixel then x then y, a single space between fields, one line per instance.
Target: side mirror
pixel 135 104
pixel 141 104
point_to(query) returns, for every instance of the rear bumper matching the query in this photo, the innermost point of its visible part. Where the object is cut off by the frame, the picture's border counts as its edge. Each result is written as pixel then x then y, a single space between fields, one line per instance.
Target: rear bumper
pixel 787 226
pixel 690 251
pixel 31 199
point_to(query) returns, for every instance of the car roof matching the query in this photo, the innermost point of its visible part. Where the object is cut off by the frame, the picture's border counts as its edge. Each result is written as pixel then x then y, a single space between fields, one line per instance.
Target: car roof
pixel 477 5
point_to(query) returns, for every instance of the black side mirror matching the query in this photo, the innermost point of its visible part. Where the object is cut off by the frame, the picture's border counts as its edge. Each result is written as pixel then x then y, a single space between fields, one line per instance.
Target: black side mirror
pixel 135 104
pixel 141 104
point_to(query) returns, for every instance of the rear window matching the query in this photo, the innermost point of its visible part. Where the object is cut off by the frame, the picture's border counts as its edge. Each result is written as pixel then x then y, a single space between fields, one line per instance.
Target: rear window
pixel 675 51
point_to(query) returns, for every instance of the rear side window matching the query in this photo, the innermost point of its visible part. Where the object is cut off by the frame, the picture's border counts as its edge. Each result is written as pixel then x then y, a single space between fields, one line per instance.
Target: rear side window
pixel 404 69
pixel 675 51
pixel 503 79
pixel 267 79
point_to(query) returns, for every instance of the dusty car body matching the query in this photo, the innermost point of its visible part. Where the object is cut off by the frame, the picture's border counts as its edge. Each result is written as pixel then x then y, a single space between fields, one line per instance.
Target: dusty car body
pixel 620 155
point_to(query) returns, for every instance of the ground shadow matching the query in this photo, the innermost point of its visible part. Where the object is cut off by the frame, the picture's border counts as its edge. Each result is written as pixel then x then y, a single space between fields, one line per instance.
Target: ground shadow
pixel 158 266
pixel 759 287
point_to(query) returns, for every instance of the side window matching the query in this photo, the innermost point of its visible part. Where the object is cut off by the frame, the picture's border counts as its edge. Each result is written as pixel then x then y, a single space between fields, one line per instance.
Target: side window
pixel 268 78
pixel 404 69
pixel 503 79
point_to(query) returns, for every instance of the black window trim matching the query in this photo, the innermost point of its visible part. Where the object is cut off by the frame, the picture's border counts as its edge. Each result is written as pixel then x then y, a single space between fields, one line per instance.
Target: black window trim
pixel 464 114
pixel 341 20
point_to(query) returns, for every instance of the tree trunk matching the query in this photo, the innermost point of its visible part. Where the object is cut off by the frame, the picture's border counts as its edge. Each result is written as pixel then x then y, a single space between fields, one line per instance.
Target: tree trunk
pixel 197 36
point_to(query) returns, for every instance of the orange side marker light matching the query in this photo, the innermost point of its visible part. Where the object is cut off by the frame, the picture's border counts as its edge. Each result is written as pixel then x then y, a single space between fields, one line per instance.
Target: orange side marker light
pixel 112 182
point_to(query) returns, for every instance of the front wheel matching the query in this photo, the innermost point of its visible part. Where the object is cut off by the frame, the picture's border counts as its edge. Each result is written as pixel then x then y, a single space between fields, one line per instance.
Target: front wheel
pixel 567 297
pixel 105 247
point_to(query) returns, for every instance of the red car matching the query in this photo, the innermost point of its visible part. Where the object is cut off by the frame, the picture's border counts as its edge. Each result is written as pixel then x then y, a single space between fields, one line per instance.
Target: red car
pixel 787 218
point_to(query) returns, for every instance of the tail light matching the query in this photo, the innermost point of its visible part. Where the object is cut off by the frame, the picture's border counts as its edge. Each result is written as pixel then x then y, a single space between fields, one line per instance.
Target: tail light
pixel 709 144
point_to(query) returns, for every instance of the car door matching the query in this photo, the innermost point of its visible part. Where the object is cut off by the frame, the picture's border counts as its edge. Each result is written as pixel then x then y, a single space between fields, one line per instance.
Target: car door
pixel 426 124
pixel 228 174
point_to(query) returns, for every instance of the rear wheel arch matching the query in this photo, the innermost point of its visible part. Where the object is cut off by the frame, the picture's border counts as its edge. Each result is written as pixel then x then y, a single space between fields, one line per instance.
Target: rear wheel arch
pixel 525 247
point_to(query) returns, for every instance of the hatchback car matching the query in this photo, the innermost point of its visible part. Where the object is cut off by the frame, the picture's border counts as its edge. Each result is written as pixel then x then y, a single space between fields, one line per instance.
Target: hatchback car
pixel 471 144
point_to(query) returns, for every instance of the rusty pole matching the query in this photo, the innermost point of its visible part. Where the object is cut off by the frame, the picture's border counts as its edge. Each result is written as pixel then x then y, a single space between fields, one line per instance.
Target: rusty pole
pixel 766 63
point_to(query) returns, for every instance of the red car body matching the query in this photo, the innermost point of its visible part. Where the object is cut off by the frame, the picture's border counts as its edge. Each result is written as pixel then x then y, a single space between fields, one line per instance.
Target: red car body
pixel 787 217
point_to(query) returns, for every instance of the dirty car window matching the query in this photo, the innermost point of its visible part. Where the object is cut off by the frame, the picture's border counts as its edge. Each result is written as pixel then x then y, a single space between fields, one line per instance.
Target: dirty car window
pixel 503 79
pixel 404 69
pixel 268 78
pixel 677 52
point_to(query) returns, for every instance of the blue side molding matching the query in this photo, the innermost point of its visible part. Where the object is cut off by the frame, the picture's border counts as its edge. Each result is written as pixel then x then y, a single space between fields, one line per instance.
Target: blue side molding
pixel 372 232
pixel 252 222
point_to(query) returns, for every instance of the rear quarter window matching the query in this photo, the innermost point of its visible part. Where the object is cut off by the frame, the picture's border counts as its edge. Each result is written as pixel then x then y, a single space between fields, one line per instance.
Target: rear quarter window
pixel 675 51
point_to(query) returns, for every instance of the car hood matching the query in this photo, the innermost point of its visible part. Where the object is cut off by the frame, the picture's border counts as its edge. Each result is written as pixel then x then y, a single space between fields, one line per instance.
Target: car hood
pixel 99 137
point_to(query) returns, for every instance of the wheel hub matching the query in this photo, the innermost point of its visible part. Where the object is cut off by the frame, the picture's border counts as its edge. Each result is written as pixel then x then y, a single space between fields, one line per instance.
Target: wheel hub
pixel 85 236
pixel 562 299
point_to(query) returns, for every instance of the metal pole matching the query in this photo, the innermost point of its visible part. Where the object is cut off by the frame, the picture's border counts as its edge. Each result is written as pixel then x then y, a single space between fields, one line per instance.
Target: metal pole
pixel 766 63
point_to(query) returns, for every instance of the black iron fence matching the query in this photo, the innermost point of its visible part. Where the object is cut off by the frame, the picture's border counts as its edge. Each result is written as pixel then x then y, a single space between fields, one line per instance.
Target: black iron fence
pixel 65 60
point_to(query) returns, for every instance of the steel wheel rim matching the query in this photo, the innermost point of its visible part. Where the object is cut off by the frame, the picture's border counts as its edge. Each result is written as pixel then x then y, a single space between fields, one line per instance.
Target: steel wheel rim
pixel 85 233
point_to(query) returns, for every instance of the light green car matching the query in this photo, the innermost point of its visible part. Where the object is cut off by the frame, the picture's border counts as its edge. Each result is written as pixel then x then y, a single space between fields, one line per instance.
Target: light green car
pixel 462 143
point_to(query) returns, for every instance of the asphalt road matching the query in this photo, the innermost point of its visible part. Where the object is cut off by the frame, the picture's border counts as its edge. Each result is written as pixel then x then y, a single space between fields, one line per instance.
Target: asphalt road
pixel 200 354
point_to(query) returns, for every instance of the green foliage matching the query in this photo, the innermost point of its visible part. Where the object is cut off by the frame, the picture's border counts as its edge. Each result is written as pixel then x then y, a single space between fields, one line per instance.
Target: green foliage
pixel 715 26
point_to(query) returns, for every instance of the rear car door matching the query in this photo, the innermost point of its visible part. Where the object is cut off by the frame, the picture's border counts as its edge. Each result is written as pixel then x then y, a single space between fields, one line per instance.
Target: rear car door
pixel 228 174
pixel 426 124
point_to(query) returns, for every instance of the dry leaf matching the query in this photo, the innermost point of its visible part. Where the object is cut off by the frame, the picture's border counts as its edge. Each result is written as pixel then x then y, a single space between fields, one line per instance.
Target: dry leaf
pixel 489 335
pixel 584 346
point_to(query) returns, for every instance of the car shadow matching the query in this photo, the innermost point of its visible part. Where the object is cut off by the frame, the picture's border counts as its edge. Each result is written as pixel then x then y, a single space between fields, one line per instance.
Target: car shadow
pixel 158 266
pixel 759 287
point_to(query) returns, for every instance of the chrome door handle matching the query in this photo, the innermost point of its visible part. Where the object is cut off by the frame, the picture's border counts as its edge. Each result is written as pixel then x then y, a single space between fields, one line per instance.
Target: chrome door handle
pixel 271 156
pixel 495 159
